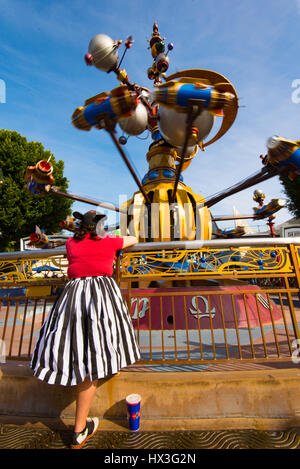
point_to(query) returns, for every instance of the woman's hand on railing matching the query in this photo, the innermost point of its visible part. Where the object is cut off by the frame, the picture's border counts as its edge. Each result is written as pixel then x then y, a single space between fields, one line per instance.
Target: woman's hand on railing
pixel 129 241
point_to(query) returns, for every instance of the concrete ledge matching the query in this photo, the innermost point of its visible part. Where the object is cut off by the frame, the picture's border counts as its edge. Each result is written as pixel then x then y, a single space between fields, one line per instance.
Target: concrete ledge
pixel 262 400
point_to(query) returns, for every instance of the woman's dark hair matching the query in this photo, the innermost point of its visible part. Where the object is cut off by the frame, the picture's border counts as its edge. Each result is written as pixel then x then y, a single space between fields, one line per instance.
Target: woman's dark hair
pixel 82 231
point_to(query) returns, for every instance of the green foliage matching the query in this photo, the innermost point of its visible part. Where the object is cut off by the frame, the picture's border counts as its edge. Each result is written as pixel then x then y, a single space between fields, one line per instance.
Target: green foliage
pixel 292 191
pixel 21 211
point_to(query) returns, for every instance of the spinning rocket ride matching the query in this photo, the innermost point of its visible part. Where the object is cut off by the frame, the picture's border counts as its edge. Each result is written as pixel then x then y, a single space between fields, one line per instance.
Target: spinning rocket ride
pixel 179 112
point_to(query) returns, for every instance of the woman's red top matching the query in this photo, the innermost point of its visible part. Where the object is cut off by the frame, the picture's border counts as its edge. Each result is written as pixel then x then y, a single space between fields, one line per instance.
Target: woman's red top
pixel 92 257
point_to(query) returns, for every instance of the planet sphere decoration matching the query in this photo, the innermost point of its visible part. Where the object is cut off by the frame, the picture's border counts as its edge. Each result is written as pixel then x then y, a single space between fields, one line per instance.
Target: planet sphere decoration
pixel 179 112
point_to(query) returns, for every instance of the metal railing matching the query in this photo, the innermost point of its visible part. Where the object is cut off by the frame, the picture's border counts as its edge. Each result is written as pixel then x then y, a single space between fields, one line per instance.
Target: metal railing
pixel 190 302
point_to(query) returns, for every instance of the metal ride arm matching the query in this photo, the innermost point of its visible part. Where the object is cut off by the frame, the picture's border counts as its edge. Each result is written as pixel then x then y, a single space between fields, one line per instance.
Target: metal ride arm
pixel 195 107
pixel 110 128
pixel 129 166
pixel 233 217
pixel 262 175
pixel 56 191
pixel 239 217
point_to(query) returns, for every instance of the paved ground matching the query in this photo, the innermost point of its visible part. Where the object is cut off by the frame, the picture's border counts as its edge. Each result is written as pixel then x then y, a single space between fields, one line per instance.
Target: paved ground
pixel 20 437
pixel 24 437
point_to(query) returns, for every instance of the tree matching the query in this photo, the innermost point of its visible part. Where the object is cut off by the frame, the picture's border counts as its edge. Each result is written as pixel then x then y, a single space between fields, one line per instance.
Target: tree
pixel 292 191
pixel 21 211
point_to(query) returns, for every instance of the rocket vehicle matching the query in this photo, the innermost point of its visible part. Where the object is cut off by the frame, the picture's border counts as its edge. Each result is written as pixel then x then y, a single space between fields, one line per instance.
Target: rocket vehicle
pixel 39 178
pixel 267 211
pixel 69 224
pixel 283 153
pixel 176 95
pixel 234 233
pixel 181 93
pixel 39 239
pixel 119 103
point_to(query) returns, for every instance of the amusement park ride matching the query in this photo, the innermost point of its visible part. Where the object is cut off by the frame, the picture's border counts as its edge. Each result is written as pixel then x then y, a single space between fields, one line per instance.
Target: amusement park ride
pixel 180 112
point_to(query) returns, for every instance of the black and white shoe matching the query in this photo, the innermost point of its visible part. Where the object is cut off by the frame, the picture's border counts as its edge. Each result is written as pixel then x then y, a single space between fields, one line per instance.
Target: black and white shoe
pixel 79 438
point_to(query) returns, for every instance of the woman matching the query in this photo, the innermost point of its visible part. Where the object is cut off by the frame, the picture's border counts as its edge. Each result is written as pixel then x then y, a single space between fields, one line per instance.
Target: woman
pixel 88 334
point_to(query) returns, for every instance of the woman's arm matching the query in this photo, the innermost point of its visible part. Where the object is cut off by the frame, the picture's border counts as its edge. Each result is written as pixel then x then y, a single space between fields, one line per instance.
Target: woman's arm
pixel 129 241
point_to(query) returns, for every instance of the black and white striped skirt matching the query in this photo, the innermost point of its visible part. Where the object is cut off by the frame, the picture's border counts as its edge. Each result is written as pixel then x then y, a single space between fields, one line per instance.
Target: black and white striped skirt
pixel 87 333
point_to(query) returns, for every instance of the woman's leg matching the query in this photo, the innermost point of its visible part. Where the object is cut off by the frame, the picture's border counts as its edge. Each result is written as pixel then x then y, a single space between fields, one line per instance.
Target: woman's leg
pixel 85 394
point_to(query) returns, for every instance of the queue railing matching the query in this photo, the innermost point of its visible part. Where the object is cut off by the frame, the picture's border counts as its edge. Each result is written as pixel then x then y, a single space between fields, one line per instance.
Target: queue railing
pixel 191 302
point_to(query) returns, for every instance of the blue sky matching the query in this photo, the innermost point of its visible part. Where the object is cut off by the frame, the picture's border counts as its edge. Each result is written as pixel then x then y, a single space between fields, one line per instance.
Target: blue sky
pixel 254 44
